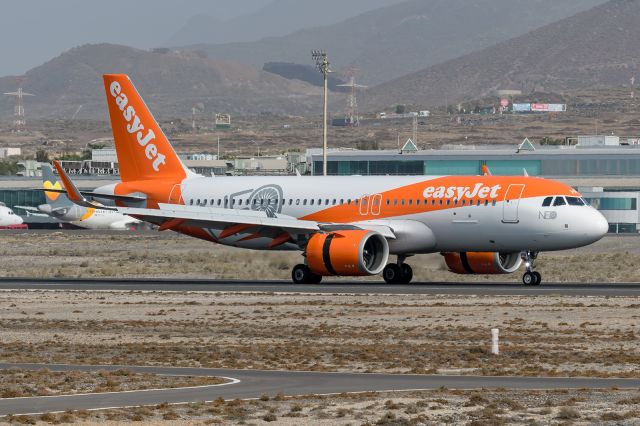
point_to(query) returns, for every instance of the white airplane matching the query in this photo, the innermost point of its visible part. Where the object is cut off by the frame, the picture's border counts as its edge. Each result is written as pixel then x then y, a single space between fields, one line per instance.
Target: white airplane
pixel 62 209
pixel 343 226
pixel 8 218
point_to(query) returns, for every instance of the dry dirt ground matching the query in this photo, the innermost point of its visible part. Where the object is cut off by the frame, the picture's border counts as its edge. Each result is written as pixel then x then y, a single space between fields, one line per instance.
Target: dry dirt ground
pixel 169 255
pixel 17 383
pixel 582 407
pixel 540 335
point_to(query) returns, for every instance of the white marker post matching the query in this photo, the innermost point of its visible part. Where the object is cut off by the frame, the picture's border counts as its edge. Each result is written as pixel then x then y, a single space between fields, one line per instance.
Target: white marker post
pixel 495 350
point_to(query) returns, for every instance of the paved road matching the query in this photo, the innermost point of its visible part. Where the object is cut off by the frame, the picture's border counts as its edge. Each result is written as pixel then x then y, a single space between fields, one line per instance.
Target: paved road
pixel 254 383
pixel 459 288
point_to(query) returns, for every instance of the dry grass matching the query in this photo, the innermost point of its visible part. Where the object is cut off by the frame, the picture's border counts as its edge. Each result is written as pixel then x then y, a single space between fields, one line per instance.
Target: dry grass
pixel 544 335
pixel 151 254
pixel 410 408
pixel 17 382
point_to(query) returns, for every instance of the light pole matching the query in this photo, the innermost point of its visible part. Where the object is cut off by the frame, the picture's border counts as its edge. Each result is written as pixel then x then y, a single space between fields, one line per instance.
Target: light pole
pixel 258 145
pixel 322 64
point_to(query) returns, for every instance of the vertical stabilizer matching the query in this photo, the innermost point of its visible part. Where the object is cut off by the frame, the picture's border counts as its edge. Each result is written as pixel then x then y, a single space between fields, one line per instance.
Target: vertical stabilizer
pixel 144 153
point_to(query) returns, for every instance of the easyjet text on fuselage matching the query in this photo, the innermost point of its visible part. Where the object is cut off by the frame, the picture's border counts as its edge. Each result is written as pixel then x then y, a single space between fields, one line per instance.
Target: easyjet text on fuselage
pixel 479 190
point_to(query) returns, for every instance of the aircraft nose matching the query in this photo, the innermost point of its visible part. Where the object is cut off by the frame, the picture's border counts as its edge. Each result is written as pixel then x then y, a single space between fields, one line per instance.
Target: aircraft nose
pixel 599 225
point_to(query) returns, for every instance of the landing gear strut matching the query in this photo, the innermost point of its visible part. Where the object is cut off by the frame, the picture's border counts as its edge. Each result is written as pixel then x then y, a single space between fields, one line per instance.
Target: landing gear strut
pixel 301 274
pixel 398 273
pixel 531 277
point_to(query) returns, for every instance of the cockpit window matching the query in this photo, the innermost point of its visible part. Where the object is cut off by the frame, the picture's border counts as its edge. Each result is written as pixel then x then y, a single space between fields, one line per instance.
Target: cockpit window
pixel 559 201
pixel 547 202
pixel 575 201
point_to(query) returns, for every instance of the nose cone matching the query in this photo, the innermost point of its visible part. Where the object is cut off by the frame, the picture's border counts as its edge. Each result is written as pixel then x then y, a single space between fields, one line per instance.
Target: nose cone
pixel 599 226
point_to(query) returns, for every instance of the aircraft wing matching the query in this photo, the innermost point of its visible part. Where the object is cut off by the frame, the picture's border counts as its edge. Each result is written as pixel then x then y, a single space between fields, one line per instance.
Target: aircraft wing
pixel 231 222
pixel 228 221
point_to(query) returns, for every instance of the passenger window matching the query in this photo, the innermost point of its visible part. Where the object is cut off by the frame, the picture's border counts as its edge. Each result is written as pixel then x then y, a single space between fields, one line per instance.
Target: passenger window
pixel 326 202
pixel 486 203
pixel 298 202
pixel 547 202
pixel 440 202
pixel 395 202
pixel 239 202
pixel 455 202
pixel 304 202
pixel 312 201
pixel 341 201
pixel 493 203
pixel 433 202
pixel 448 202
pixel 410 202
pixel 402 201
pixel 464 202
pixel 356 202
pixel 388 202
pixel 191 202
pixel 559 202
pixel 334 201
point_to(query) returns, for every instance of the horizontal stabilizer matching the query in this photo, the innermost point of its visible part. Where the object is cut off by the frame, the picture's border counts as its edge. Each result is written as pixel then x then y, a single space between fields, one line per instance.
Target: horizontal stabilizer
pixel 124 198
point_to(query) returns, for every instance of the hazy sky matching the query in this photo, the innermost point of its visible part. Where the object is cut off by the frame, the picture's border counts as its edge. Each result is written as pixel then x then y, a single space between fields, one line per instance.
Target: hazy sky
pixel 34 31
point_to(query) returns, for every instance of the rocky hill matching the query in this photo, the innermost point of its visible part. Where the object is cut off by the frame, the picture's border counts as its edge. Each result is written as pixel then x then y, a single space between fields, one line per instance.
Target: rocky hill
pixel 171 83
pixel 595 48
pixel 396 40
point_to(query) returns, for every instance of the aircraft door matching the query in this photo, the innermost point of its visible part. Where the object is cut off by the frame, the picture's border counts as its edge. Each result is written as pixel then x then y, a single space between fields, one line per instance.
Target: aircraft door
pixel 511 203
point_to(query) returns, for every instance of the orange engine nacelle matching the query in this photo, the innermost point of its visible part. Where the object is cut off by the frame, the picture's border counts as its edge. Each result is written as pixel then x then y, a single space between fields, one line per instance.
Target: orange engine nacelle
pixel 483 263
pixel 347 253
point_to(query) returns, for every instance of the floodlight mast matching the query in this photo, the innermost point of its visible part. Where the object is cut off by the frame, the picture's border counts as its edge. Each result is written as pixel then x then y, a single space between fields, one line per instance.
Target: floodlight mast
pixel 322 64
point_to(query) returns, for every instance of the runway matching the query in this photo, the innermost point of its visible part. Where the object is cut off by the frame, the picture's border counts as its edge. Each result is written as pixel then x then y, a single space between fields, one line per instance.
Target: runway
pixel 254 383
pixel 341 287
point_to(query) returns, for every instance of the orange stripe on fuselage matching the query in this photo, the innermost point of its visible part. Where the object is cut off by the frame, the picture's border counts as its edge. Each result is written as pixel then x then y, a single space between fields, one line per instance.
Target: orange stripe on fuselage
pixel 410 199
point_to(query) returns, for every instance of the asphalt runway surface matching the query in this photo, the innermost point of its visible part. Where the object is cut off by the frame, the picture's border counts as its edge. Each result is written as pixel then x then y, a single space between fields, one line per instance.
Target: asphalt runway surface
pixel 341 287
pixel 248 384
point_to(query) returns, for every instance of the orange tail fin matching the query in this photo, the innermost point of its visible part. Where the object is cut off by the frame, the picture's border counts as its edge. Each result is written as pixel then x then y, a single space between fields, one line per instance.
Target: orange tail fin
pixel 144 153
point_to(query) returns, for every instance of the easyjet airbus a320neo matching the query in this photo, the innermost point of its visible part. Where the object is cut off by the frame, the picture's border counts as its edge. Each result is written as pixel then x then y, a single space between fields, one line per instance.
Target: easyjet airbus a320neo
pixel 343 226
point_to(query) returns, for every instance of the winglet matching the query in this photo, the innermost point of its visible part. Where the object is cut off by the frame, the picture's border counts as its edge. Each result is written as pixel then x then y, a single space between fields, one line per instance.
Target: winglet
pixel 485 170
pixel 72 192
pixel 526 174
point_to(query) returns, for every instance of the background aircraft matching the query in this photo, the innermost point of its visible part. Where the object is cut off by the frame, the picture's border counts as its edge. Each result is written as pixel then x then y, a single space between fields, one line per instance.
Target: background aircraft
pixel 8 218
pixel 61 208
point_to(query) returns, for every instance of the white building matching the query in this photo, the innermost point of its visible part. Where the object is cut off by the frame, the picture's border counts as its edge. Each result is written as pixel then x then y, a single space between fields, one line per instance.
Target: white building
pixel 9 152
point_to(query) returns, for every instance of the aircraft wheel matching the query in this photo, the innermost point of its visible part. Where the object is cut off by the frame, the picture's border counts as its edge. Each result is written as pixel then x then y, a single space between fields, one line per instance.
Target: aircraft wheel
pixel 529 278
pixel 538 278
pixel 392 274
pixel 301 274
pixel 407 274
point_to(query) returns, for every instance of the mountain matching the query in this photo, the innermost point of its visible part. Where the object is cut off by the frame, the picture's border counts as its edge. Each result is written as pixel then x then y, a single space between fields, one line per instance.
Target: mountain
pixel 171 82
pixel 598 47
pixel 276 18
pixel 396 40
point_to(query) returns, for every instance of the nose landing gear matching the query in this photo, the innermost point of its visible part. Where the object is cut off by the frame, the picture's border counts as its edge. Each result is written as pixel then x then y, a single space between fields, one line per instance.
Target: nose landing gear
pixel 531 277
pixel 398 273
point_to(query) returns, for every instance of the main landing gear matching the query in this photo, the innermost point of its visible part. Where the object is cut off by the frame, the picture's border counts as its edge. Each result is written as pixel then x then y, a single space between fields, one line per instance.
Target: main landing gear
pixel 301 274
pixel 531 277
pixel 398 273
